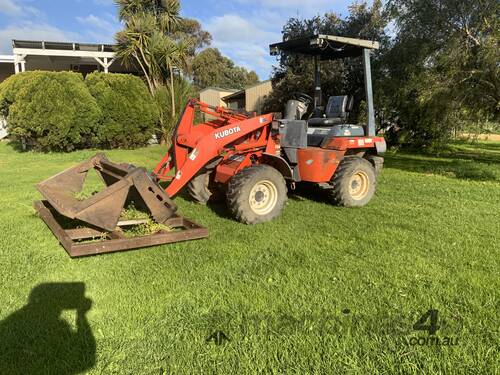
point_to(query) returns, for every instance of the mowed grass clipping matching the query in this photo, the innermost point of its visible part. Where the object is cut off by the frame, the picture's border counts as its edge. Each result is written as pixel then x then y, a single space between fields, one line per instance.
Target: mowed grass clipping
pixel 322 289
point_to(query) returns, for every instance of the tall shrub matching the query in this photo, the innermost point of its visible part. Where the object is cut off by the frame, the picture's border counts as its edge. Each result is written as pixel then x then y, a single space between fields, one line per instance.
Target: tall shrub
pixel 49 111
pixel 129 114
pixel 10 88
pixel 163 98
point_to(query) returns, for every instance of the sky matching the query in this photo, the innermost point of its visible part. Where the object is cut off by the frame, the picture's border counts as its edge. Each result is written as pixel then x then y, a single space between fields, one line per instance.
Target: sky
pixel 241 29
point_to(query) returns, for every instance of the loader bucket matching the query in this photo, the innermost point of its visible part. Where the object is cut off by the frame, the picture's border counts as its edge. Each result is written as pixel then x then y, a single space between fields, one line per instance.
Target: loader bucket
pixel 124 183
pixel 102 211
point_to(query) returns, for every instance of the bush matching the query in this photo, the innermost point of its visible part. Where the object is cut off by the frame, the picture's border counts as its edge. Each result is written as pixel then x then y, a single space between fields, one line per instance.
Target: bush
pixel 163 99
pixel 48 111
pixel 9 89
pixel 129 114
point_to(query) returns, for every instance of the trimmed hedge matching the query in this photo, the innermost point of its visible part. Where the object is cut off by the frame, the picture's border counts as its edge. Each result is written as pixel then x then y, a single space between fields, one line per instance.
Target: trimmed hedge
pixel 9 89
pixel 129 114
pixel 59 111
pixel 49 111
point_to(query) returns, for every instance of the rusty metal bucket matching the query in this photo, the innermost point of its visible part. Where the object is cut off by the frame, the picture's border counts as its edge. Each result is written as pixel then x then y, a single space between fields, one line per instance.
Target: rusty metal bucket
pixel 124 183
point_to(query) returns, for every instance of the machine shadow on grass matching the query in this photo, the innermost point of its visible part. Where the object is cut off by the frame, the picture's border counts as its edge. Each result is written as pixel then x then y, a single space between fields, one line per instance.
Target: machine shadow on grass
pixel 220 208
pixel 312 193
pixel 218 205
pixel 37 339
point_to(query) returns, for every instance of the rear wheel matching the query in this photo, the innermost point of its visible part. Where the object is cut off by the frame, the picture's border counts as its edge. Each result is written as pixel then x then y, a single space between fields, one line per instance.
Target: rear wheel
pixel 257 194
pixel 354 182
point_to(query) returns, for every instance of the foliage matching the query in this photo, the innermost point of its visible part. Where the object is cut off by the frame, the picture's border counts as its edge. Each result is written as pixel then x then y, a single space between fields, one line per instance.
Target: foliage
pixel 9 89
pixel 145 39
pixel 162 43
pixel 295 73
pixel 50 111
pixel 145 229
pixel 436 73
pixel 132 213
pixel 195 38
pixel 163 99
pixel 129 114
pixel 442 68
pixel 211 68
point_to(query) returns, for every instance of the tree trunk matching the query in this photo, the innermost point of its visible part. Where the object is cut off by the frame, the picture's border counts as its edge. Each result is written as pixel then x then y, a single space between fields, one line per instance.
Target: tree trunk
pixel 148 79
pixel 172 91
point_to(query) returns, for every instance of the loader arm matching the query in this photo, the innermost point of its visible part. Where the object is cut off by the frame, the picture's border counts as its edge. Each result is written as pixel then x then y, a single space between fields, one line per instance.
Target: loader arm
pixel 194 146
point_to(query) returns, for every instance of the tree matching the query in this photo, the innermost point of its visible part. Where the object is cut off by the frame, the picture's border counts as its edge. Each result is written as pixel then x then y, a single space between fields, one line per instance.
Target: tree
pixel 442 71
pixel 129 114
pixel 164 101
pixel 158 40
pixel 295 73
pixel 147 26
pixel 191 31
pixel 50 111
pixel 211 68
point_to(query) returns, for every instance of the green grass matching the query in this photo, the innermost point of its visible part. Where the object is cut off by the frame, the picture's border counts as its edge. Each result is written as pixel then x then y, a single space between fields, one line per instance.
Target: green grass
pixel 322 289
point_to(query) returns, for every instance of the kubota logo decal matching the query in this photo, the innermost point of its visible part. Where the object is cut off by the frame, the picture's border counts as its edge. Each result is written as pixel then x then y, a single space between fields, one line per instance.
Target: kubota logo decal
pixel 227 132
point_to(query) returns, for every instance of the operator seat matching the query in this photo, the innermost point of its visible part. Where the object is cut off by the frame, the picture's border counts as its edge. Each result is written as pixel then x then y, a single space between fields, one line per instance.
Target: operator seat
pixel 336 112
pixel 335 122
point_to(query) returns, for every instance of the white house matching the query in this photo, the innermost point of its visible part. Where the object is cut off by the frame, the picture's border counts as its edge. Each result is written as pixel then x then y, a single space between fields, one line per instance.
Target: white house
pixel 56 57
pixel 60 56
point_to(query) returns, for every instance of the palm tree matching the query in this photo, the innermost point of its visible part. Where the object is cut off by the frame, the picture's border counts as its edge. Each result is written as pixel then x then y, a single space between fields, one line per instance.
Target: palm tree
pixel 133 45
pixel 168 104
pixel 165 11
pixel 175 56
pixel 147 22
pixel 151 40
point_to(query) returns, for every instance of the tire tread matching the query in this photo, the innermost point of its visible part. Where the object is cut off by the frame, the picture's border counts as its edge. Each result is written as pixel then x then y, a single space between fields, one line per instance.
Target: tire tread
pixel 236 201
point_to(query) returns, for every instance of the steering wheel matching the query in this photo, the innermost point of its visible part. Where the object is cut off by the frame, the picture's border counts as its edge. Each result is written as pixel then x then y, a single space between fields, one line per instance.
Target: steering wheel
pixel 303 98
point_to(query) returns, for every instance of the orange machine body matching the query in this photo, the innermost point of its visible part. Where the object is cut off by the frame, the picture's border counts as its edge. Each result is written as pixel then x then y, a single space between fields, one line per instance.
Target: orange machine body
pixel 232 141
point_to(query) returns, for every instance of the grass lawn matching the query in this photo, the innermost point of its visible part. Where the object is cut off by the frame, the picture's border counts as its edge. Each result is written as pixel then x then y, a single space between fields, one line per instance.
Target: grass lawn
pixel 320 290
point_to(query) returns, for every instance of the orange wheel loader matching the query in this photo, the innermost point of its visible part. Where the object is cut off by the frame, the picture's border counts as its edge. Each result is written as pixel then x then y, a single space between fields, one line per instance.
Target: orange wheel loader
pixel 251 160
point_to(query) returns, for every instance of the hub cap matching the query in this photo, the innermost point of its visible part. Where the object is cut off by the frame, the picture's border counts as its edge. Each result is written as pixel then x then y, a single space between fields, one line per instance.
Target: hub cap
pixel 263 197
pixel 359 185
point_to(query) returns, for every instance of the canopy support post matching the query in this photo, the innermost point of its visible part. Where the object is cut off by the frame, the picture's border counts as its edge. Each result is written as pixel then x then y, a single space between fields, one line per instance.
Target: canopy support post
pixel 370 127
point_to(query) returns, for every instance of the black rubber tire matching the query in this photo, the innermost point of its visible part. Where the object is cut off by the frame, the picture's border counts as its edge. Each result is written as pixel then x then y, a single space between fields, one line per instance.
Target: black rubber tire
pixel 342 178
pixel 240 187
pixel 377 162
pixel 199 188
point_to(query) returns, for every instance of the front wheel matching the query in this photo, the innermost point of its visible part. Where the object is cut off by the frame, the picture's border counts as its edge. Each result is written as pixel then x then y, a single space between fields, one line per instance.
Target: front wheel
pixel 202 189
pixel 256 194
pixel 198 188
pixel 354 182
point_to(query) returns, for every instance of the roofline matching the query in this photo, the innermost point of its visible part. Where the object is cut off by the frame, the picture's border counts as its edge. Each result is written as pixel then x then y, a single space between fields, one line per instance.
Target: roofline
pixel 7 59
pixel 218 89
pixel 258 84
pixel 235 94
pixel 67 44
pixel 245 90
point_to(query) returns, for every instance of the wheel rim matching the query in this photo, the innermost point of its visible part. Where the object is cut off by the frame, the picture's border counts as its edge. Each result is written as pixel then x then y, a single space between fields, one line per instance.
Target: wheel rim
pixel 359 185
pixel 263 197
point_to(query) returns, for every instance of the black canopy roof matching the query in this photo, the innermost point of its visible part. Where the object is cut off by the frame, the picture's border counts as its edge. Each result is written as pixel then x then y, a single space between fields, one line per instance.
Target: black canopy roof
pixel 327 47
